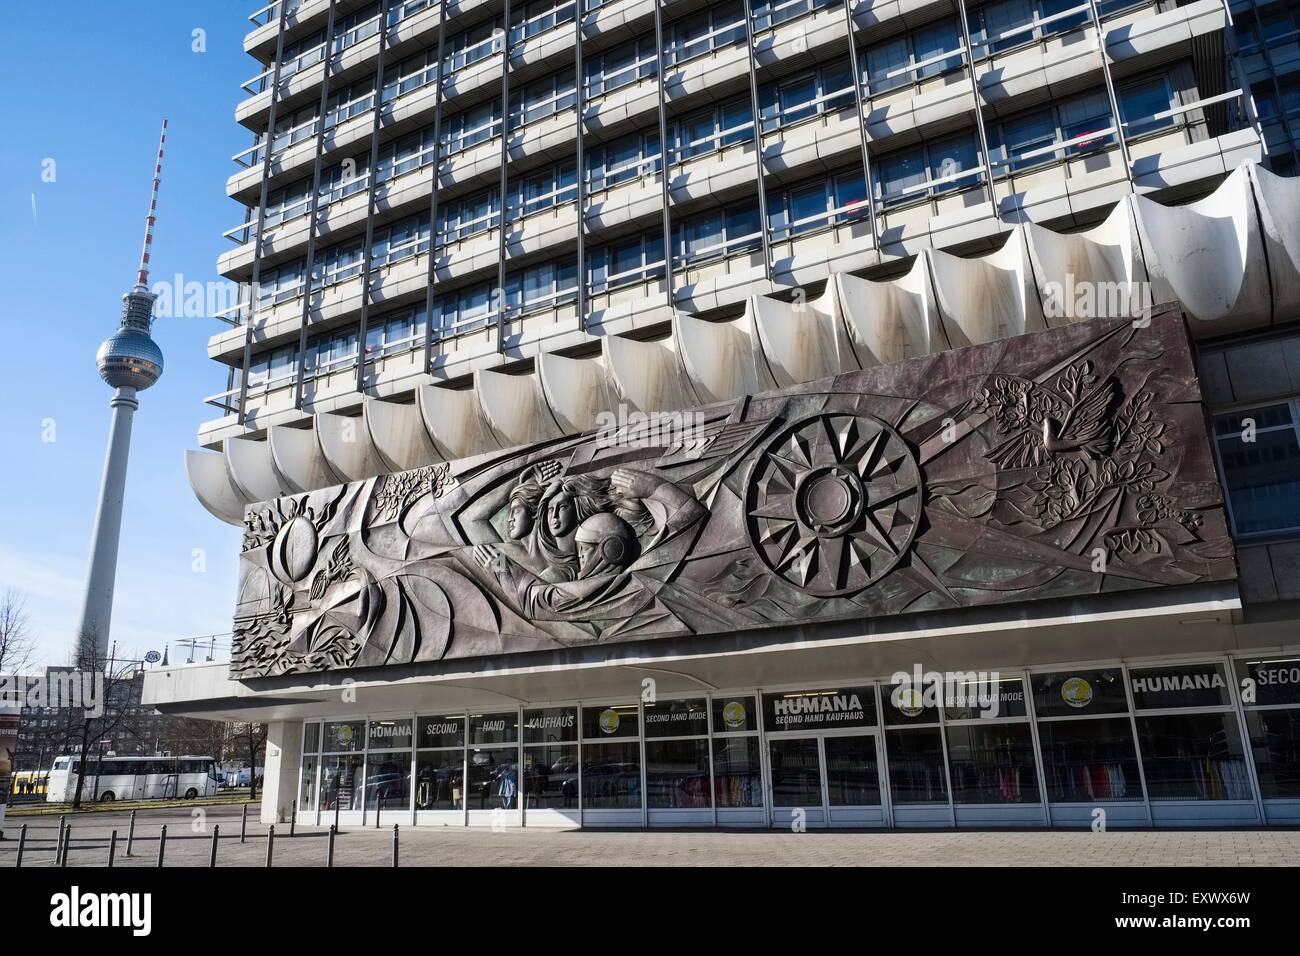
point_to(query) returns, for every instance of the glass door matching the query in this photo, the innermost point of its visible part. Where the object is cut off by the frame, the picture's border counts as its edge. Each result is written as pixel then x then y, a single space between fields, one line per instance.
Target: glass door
pixel 796 781
pixel 852 773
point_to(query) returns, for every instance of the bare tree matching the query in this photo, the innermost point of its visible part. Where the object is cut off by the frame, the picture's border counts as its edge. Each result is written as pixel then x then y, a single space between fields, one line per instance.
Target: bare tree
pixel 252 738
pixel 118 704
pixel 15 640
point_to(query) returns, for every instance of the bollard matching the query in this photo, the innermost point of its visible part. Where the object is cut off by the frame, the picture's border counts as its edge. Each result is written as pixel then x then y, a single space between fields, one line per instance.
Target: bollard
pixel 130 834
pixel 216 835
pixel 394 844
pixel 162 843
pixel 112 848
pixel 379 805
pixel 243 825
pixel 270 843
pixel 58 845
pixel 67 840
pixel 329 848
pixel 22 844
pixel 293 817
pixel 336 813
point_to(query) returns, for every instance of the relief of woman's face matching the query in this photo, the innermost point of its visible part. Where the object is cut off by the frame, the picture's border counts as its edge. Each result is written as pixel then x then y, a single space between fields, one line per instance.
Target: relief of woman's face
pixel 562 517
pixel 520 521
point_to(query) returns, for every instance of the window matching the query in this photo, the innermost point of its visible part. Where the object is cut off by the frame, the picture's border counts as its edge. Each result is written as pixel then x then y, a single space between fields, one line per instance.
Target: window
pixel 717 233
pixel 538 16
pixel 1025 140
pixel 700 33
pixel 1259 457
pixel 551 758
pixel 1025 134
pixel 279 283
pixel 992 763
pixel 713 129
pixel 465 308
pixel 440 762
pixel 825 202
pixel 542 98
pixel 929 170
pixel 332 351
pixel 627 158
pixel 399 332
pixel 677 769
pixel 620 67
pixel 1139 102
pixel 470 127
pixel 410 74
pixel 626 262
pixel 551 187
pixel 822 91
pixel 493 759
pixel 471 46
pixel 541 287
pixel 1002 26
pixel 401 240
pixel 466 216
pixel 893 63
pixel 611 758
pixel 772 13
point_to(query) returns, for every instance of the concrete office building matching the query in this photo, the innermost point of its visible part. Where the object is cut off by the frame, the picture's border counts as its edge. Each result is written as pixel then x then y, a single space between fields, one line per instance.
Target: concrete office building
pixel 1010 286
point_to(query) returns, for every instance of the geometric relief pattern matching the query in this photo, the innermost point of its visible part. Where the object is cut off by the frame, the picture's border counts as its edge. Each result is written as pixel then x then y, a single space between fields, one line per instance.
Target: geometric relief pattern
pixel 1056 464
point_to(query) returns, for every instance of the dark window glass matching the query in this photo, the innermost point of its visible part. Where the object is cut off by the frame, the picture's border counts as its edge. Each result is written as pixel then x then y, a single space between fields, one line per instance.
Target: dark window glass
pixel 611 776
pixel 1072 693
pixel 502 728
pixel 388 781
pixel 1193 757
pixel 609 721
pixel 821 709
pixel 341 782
pixel 344 735
pixel 551 776
pixel 677 718
pixel 1086 761
pixel 734 715
pixel 390 734
pixel 992 763
pixel 438 784
pixel 307 785
pixel 906 704
pixel 852 775
pixel 446 731
pixel 737 772
pixel 1269 682
pixel 916 771
pixel 311 738
pixel 1004 698
pixel 677 773
pixel 1185 685
pixel 796 772
pixel 1275 742
pixel 1139 101
pixel 1262 475
pixel 493 778
pixel 551 725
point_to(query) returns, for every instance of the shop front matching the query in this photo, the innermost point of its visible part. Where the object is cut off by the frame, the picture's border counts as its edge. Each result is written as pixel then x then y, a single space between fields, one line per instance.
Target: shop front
pixel 1173 742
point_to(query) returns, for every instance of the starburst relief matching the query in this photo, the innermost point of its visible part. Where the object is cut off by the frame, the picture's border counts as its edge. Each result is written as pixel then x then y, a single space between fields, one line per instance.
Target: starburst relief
pixel 833 502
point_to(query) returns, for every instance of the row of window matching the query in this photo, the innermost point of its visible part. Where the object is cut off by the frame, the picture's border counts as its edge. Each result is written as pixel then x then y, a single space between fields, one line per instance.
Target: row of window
pixel 1098 735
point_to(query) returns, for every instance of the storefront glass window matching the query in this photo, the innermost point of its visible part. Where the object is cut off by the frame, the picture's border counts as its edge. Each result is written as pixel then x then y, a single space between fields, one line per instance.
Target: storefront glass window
pixel 677 718
pixel 1275 741
pixel 388 779
pixel 908 706
pixel 992 763
pixel 438 783
pixel 734 715
pixel 551 725
pixel 487 729
pixel 307 784
pixel 1077 693
pixel 817 710
pixel 311 738
pixel 344 736
pixel 493 778
pixel 1268 683
pixel 916 772
pixel 677 773
pixel 1087 761
pixel 611 721
pixel 1193 757
pixel 852 776
pixel 986 700
pixel 390 734
pixel 551 776
pixel 737 772
pixel 611 776
pixel 1179 685
pixel 796 772
pixel 446 731
pixel 341 785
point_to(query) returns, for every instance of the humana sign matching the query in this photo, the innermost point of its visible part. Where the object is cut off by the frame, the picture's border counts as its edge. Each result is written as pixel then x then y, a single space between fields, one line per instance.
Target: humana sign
pixel 1172 682
pixel 786 706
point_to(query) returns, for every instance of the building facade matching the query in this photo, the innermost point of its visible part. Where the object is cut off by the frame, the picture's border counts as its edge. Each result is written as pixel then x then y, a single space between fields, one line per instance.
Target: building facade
pixel 969 361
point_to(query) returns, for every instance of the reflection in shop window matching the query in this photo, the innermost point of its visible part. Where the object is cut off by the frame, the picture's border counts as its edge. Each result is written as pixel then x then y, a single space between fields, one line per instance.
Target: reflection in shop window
pixel 1087 761
pixel 1275 742
pixel 1193 757
pixel 341 785
pixel 916 773
pixel 992 763
pixel 677 774
pixel 737 772
pixel 551 777
pixel 388 780
pixel 307 784
pixel 1260 457
pixel 438 779
pixel 611 776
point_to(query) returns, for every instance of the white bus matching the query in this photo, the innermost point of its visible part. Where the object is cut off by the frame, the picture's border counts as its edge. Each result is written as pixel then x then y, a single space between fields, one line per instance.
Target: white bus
pixel 134 778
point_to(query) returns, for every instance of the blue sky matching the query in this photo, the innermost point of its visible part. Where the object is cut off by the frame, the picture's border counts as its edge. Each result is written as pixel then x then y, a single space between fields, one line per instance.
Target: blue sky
pixel 91 83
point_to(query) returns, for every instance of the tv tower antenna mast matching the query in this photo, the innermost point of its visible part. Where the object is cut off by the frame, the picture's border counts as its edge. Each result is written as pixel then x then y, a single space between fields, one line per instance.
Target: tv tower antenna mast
pixel 129 361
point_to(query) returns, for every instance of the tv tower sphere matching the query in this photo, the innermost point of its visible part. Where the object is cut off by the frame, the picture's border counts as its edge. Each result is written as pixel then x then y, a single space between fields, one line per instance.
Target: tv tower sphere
pixel 129 358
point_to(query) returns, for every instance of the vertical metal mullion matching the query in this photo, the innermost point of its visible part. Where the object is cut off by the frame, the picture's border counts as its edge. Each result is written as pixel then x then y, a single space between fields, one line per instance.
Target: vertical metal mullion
pixel 860 104
pixel 432 277
pixel 313 209
pixel 502 306
pixel 758 140
pixel 372 188
pixel 261 216
pixel 969 54
pixel 1243 729
pixel 663 152
pixel 1032 716
pixel 1110 92
pixel 579 89
pixel 1137 745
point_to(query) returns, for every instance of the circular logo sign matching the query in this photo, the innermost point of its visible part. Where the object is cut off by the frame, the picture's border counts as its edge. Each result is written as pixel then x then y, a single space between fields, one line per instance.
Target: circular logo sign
pixel 609 720
pixel 344 735
pixel 733 715
pixel 1076 692
pixel 153 657
pixel 908 701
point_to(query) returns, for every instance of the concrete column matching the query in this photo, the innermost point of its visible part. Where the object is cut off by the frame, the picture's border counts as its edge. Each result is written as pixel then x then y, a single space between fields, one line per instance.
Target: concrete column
pixel 283 758
pixel 97 611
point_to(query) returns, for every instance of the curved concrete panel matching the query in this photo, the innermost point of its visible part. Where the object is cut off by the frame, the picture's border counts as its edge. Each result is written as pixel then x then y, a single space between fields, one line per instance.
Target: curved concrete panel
pixel 1209 256
pixel 719 358
pixel 647 376
pixel 515 407
pixel 249 464
pixel 298 459
pixel 1074 271
pixel 800 340
pixel 1278 199
pixel 454 420
pixel 986 297
pixel 345 442
pixel 574 389
pixel 212 485
pixel 398 434
pixel 893 320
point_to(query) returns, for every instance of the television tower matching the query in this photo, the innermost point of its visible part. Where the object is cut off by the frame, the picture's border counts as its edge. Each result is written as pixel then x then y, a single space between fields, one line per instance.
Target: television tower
pixel 129 361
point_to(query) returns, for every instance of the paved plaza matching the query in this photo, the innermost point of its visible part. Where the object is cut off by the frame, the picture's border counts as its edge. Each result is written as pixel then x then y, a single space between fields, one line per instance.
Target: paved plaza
pixel 188 845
